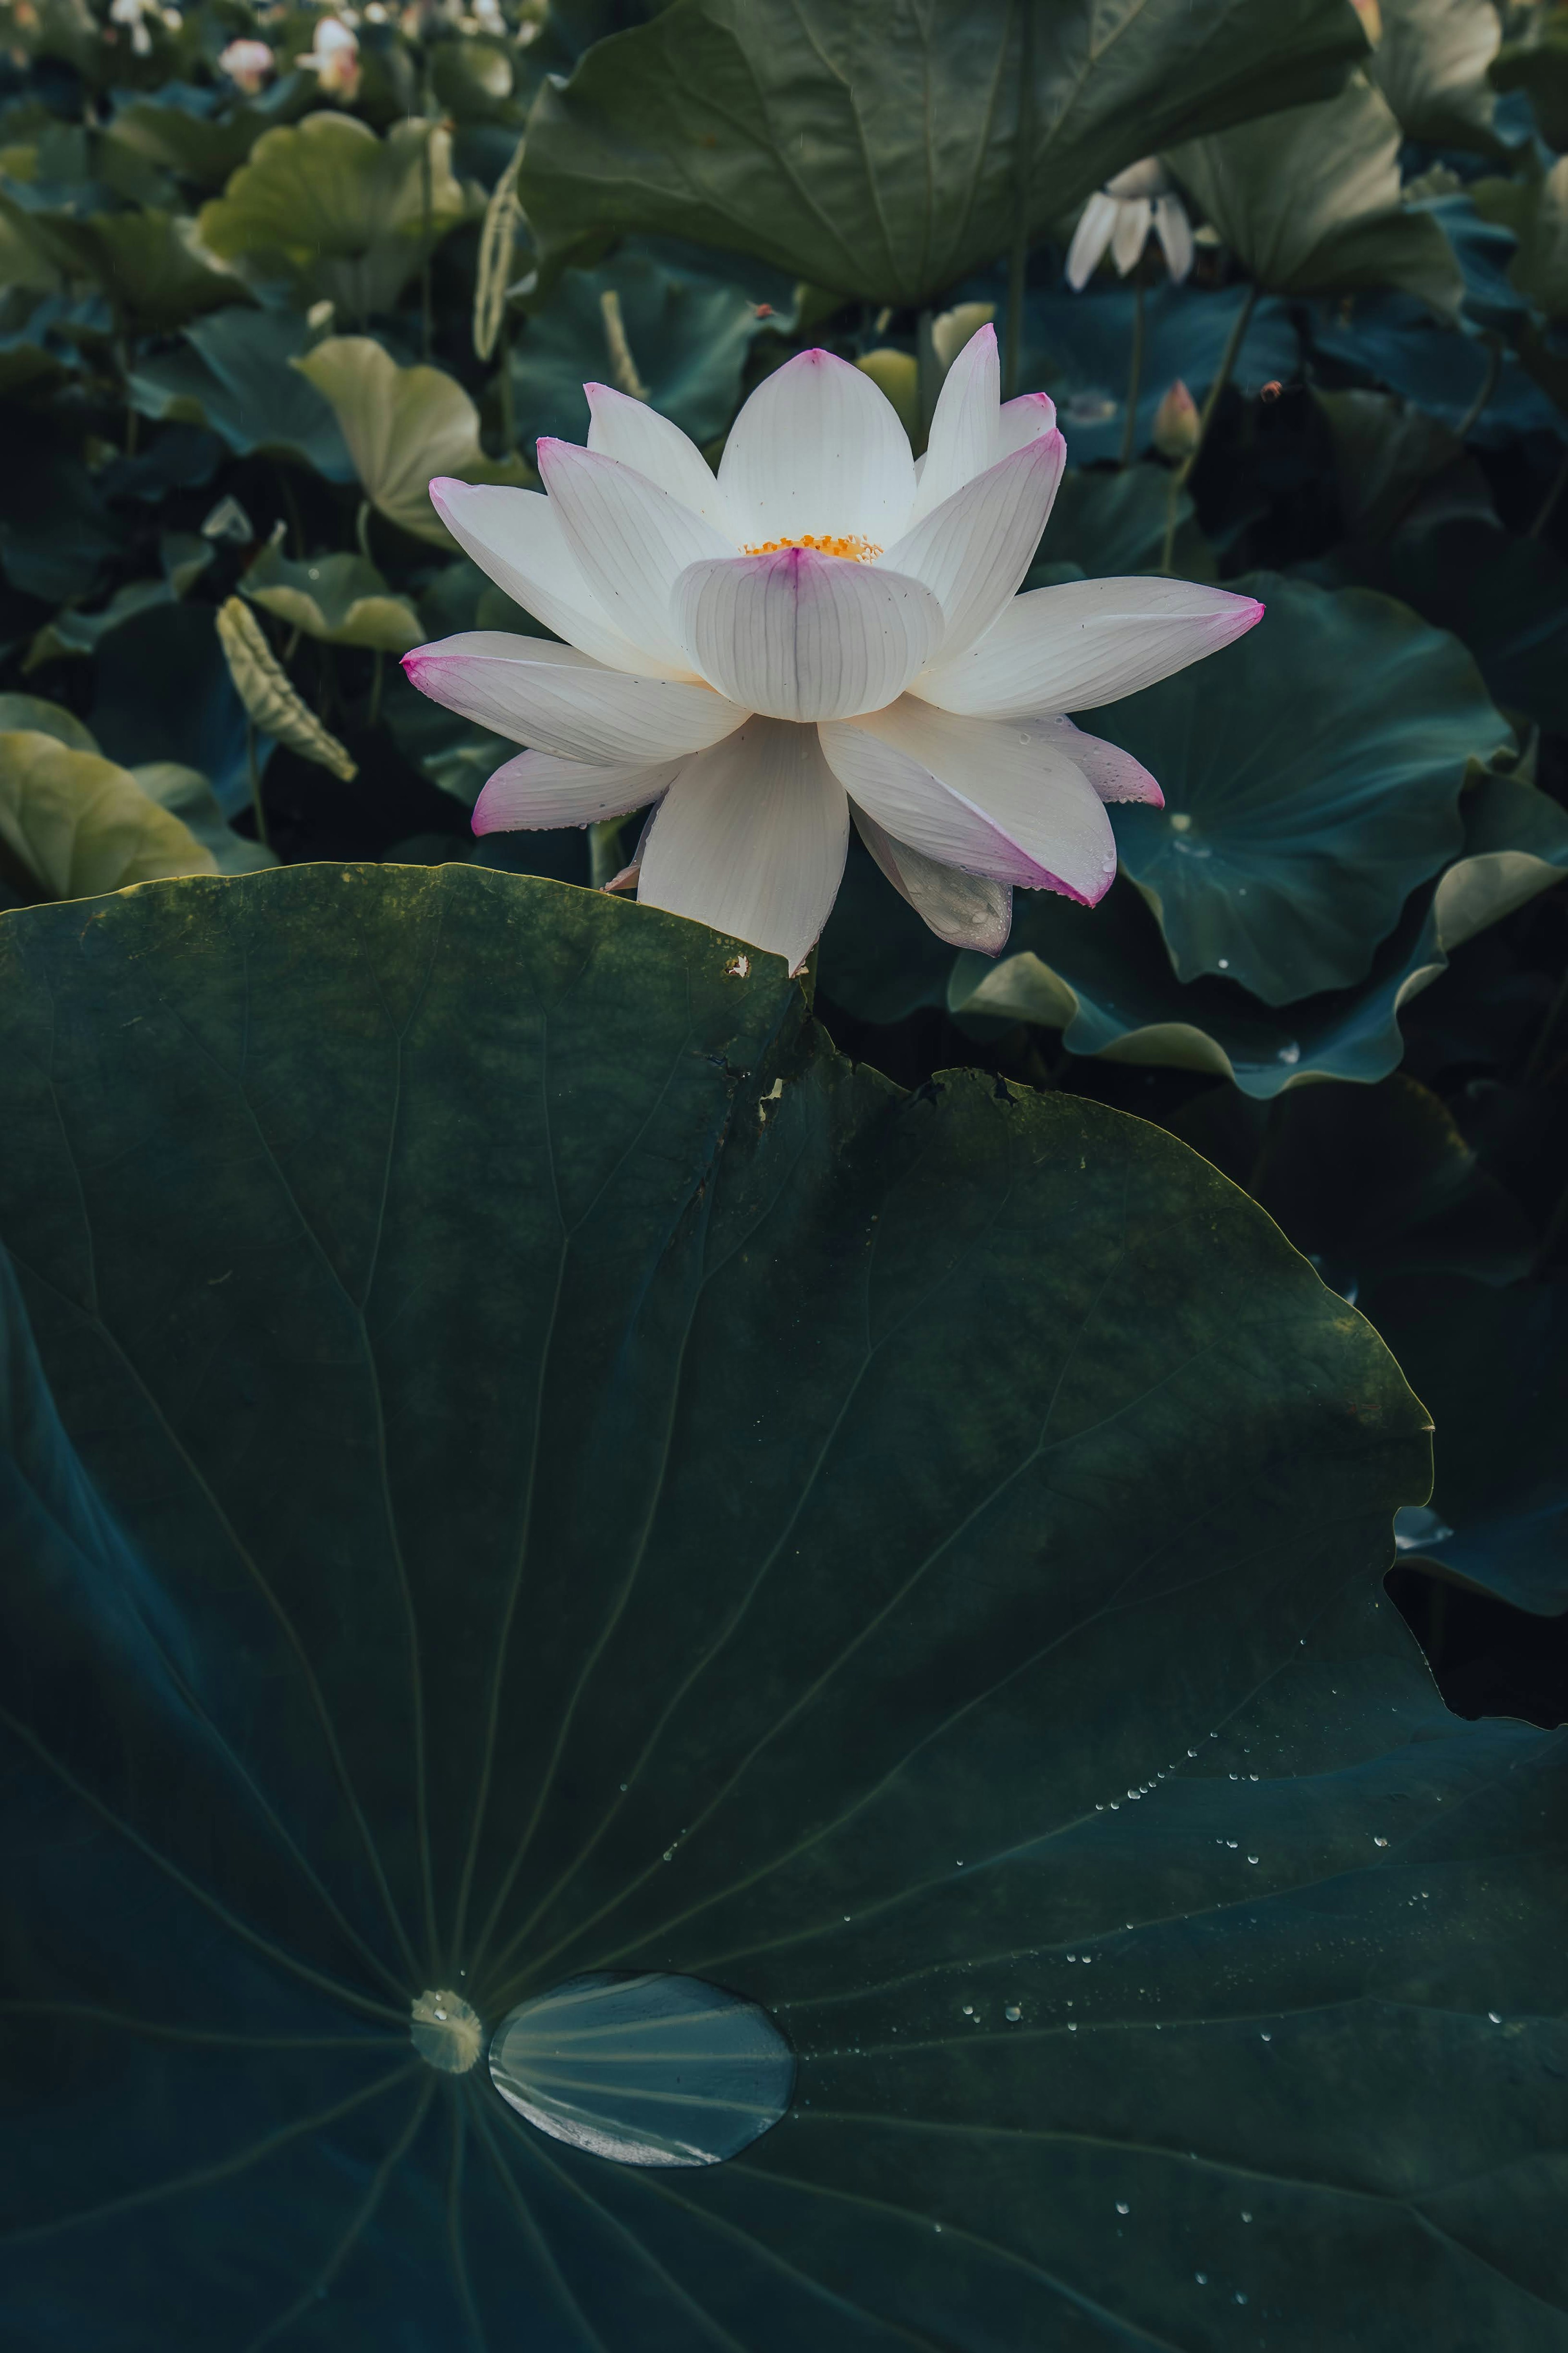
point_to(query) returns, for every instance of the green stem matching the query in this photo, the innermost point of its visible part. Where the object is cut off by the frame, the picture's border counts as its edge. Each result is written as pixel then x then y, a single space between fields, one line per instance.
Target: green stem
pixel 508 413
pixel 928 377
pixel 1537 1061
pixel 254 775
pixel 1472 415
pixel 1023 157
pixel 1134 371
pixel 1205 415
pixel 605 858
pixel 376 678
pixel 427 192
pixel 1559 484
pixel 361 530
pixel 292 504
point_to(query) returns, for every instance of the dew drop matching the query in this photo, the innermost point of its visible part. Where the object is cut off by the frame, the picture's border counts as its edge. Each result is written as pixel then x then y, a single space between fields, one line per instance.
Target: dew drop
pixel 1240 2295
pixel 1012 2014
pixel 1267 2038
pixel 1122 2207
pixel 1225 964
pixel 1252 1857
pixel 1377 1841
pixel 1072 2028
pixel 969 2010
pixel 445 2032
pixel 1244 2215
pixel 649 2070
pixel 1202 2278
pixel 1494 2016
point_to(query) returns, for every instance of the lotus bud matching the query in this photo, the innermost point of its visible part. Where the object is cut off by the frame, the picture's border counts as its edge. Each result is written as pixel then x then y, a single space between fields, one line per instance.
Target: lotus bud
pixel 1175 432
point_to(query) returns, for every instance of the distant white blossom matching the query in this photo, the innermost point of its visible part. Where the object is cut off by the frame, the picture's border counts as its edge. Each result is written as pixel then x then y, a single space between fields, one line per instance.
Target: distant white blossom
pixel 333 59
pixel 249 64
pixel 1123 215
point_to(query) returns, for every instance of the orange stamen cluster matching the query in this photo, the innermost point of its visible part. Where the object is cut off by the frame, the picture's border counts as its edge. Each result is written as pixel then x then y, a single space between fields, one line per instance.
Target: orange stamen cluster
pixel 853 550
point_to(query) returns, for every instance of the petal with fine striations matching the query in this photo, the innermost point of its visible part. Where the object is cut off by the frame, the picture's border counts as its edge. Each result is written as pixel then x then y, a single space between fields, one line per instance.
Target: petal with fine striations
pixel 557 699
pixel 967 911
pixel 515 536
pixel 973 549
pixel 801 636
pixel 817 450
pixel 963 439
pixel 539 789
pixel 1086 642
pixel 632 539
pixel 635 432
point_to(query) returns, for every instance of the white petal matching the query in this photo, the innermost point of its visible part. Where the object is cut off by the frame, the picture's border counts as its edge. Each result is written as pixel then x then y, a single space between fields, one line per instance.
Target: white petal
pixel 967 911
pixel 1130 234
pixel 1115 775
pixel 963 440
pixel 632 539
pixel 560 700
pixel 817 450
pixel 1148 178
pixel 973 550
pixel 1089 239
pixel 802 636
pixel 1088 642
pixel 751 838
pixel 993 796
pixel 516 537
pixel 1023 421
pixel 1175 231
pixel 538 790
pixel 639 436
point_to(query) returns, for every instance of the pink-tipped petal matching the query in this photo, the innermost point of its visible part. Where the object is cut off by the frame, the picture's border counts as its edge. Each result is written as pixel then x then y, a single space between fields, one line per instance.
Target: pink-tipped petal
pixel 539 789
pixel 516 537
pixel 1085 643
pixel 635 432
pixel 1115 775
pixel 751 839
pixel 801 636
pixel 817 450
pixel 973 550
pixel 557 699
pixel 998 797
pixel 1023 421
pixel 963 441
pixel 632 539
pixel 967 911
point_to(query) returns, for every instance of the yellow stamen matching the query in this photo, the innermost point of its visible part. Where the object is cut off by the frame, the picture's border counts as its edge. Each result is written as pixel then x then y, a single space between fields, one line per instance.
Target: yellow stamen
pixel 853 550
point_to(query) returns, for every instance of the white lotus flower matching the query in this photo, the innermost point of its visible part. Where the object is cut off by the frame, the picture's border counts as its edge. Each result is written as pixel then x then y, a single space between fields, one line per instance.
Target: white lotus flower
pixel 249 64
pixel 826 629
pixel 1122 215
pixel 333 58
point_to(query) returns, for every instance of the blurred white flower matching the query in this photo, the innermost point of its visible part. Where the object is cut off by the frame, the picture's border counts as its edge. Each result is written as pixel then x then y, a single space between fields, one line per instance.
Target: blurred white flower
pixel 1121 218
pixel 333 59
pixel 826 632
pixel 132 13
pixel 249 64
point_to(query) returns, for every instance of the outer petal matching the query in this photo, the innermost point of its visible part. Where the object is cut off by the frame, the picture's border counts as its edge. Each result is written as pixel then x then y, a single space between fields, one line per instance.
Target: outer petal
pixel 516 537
pixel 557 699
pixel 751 838
pixel 1115 775
pixel 817 449
pixel 963 441
pixel 1023 421
pixel 802 636
pixel 967 911
pixel 538 790
pixel 639 436
pixel 975 549
pixel 1175 231
pixel 1131 234
pixel 950 785
pixel 632 539
pixel 1089 239
pixel 1088 642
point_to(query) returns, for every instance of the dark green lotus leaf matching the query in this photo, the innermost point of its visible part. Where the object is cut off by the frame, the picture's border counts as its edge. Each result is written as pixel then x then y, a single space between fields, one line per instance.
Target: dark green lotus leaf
pixel 1311 782
pixel 1102 976
pixel 873 150
pixel 1491 1365
pixel 1431 66
pixel 56 531
pixel 687 326
pixel 162 692
pixel 145 262
pixel 1538 65
pixel 195 134
pixel 533 1467
pixel 235 377
pixel 1104 525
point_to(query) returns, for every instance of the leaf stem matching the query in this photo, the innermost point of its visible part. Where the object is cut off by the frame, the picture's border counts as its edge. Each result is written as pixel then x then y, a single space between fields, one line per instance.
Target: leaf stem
pixel 927 371
pixel 1559 484
pixel 361 530
pixel 1135 373
pixel 427 202
pixel 1205 415
pixel 375 679
pixel 1472 415
pixel 1023 158
pixel 254 774
pixel 507 412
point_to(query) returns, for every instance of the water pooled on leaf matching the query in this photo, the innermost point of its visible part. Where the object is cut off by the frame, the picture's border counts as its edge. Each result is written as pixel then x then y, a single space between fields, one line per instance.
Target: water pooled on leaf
pixel 446 2032
pixel 649 2070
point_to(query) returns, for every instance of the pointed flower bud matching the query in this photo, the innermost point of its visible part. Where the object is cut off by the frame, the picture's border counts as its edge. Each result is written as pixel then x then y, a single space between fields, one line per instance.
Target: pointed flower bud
pixel 1176 424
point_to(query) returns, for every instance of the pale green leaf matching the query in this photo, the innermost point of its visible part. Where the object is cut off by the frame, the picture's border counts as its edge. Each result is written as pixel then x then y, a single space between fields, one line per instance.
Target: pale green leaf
pixel 187 793
pixel 342 600
pixel 1431 66
pixel 403 426
pixel 73 824
pixel 274 705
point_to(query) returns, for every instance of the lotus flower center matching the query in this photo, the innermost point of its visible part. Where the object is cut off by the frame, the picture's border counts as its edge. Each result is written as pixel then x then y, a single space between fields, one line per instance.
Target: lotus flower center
pixel 853 550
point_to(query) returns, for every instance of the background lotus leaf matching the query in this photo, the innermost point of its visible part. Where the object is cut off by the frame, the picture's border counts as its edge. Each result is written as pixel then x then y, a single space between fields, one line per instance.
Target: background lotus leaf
pixel 336 210
pixel 1538 65
pixel 72 824
pixel 403 426
pixel 1311 782
pixel 146 262
pixel 1106 526
pixel 162 692
pixel 235 377
pixel 874 151
pixel 362 1128
pixel 1431 64
pixel 341 599
pixel 1310 202
pixel 187 793
pixel 187 130
pixel 687 323
pixel 1535 208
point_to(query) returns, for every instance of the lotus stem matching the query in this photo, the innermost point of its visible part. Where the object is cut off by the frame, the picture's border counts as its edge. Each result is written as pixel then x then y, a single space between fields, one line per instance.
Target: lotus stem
pixel 1472 415
pixel 361 530
pixel 927 371
pixel 254 772
pixel 1559 483
pixel 1018 257
pixel 623 367
pixel 1537 1061
pixel 508 409
pixel 1233 343
pixel 376 678
pixel 427 200
pixel 1135 373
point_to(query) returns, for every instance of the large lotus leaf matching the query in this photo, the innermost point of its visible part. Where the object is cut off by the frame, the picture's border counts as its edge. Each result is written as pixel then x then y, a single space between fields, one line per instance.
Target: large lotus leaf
pixel 30 713
pixel 1102 976
pixel 403 426
pixel 1393 340
pixel 56 531
pixel 236 378
pixel 1309 201
pixel 688 330
pixel 193 134
pixel 1078 348
pixel 1311 783
pixel 545 1470
pixel 73 633
pixel 72 824
pixel 1431 66
pixel 1538 65
pixel 1534 206
pixel 1105 525
pixel 872 148
pixel 338 211
pixel 1491 1365
pixel 187 793
pixel 1385 454
pixel 145 262
pixel 342 600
